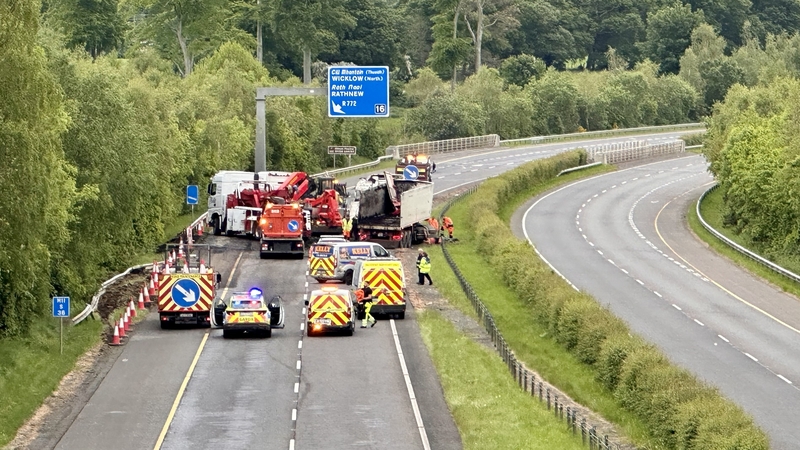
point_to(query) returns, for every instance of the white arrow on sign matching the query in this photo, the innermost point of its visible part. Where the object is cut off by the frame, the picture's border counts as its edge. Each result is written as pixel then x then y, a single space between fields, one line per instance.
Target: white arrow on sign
pixel 188 296
pixel 337 108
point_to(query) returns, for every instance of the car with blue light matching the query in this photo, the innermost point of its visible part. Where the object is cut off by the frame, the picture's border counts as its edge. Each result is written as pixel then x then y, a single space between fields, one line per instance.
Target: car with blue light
pixel 248 313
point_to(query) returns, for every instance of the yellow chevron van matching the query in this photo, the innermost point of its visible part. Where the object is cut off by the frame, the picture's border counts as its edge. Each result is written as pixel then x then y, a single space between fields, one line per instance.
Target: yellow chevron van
pixel 386 278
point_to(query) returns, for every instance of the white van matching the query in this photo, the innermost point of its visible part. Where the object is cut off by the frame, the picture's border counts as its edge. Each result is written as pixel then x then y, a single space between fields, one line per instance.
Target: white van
pixel 344 257
pixel 227 182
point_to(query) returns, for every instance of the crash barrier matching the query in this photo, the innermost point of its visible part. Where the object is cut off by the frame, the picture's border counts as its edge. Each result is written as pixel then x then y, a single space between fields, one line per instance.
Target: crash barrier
pixel 445 146
pixel 754 256
pixel 618 152
pixel 187 235
pixel 526 379
pixel 355 168
pixel 602 134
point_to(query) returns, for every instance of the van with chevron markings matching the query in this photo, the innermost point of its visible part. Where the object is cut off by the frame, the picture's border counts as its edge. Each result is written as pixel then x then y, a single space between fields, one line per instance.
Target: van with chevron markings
pixel 386 278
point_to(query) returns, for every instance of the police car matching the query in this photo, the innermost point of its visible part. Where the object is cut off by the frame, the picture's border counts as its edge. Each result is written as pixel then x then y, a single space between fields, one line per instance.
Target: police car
pixel 248 313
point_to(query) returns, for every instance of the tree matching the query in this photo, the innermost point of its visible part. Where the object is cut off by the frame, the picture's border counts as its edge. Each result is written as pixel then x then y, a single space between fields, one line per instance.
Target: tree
pixel 33 221
pixel 519 70
pixel 554 31
pixel 669 33
pixel 311 26
pixel 615 23
pixel 777 16
pixel 374 41
pixel 94 25
pixel 197 27
pixel 486 14
pixel 727 16
pixel 449 49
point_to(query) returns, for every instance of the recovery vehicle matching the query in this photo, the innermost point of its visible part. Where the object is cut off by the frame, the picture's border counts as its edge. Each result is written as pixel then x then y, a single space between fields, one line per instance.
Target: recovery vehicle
pixel 393 213
pixel 225 191
pixel 187 288
pixel 423 165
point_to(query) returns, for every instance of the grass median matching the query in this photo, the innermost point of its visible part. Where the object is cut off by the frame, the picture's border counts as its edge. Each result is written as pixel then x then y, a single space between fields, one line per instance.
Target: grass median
pixel 490 410
pixel 32 367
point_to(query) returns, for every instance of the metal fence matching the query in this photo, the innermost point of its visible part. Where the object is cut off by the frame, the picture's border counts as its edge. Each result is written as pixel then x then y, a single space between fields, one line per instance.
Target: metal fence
pixel 355 168
pixel 92 306
pixel 603 134
pixel 618 152
pixel 445 146
pixel 526 379
pixel 754 256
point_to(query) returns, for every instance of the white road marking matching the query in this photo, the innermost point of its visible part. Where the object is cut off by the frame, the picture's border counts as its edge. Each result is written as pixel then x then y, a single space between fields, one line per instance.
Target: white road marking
pixel 640 281
pixel 299 344
pixel 723 338
pixel 657 294
pixel 699 323
pixel 298 364
pixel 600 251
pixel 291 444
pixel 677 307
pixel 784 378
pixel 751 356
pixel 296 388
pixel 422 433
pixel 624 271
pixel 302 326
pixel 612 262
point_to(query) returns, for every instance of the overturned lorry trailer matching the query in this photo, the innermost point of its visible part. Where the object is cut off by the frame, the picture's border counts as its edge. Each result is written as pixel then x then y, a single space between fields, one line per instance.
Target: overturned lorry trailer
pixel 394 214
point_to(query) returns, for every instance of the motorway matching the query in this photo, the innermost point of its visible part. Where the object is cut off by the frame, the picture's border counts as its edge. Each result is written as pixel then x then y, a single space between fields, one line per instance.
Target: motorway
pixel 623 238
pixel 189 388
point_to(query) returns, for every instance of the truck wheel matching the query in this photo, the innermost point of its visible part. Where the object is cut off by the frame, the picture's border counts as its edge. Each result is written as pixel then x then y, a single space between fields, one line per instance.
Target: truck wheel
pixel 226 334
pixel 217 229
pixel 348 277
pixel 263 255
pixel 164 324
pixel 349 331
pixel 402 315
pixel 268 333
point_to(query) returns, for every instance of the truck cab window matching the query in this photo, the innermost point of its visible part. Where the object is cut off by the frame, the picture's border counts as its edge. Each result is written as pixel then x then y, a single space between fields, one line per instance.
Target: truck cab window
pixel 212 189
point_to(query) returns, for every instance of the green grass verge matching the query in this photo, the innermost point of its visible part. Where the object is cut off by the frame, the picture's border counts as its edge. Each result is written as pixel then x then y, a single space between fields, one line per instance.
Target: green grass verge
pixel 32 367
pixel 529 339
pixel 490 410
pixel 712 210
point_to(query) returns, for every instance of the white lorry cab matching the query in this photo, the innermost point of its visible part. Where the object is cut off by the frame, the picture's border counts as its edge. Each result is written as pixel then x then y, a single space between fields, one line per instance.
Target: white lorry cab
pixel 227 182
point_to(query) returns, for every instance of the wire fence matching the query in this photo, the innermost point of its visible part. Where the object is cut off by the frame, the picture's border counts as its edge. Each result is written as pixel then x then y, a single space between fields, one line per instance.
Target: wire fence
pixel 527 380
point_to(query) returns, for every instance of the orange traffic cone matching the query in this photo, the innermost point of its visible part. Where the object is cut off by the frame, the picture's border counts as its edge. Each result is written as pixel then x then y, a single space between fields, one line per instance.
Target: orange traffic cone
pixel 202 266
pixel 141 300
pixel 121 327
pixel 147 300
pixel 115 339
pixel 126 321
pixel 152 289
pixel 132 308
pixel 200 229
pixel 185 266
pixel 155 281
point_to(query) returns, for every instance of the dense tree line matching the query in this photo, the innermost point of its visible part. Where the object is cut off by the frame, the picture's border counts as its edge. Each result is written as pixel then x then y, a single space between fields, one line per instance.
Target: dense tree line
pixel 111 107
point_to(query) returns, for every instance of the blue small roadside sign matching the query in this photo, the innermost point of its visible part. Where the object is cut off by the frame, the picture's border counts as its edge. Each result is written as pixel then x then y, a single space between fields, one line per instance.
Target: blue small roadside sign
pixel 358 91
pixel 60 306
pixel 411 173
pixel 192 194
pixel 293 226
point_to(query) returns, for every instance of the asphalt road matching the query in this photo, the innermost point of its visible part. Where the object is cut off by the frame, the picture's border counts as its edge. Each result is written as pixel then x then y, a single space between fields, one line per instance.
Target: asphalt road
pixel 273 393
pixel 623 238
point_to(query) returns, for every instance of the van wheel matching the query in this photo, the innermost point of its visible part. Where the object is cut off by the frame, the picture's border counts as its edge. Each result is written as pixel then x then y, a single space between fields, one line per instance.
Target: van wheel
pixel 402 315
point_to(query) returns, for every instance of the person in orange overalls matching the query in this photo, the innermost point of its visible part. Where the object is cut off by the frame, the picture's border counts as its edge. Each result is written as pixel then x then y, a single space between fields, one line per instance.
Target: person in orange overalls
pixel 447 224
pixel 435 225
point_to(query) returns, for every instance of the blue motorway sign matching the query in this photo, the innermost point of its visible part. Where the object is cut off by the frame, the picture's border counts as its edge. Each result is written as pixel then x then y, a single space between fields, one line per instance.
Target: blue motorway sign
pixel 358 91
pixel 410 173
pixel 293 226
pixel 60 306
pixel 185 292
pixel 192 194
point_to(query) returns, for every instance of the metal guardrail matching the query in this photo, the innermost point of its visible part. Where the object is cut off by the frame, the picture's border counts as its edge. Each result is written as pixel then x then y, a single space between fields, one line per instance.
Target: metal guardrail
pixel 752 255
pixel 602 133
pixel 574 169
pixel 632 150
pixel 355 168
pixel 526 379
pixel 444 146
pixel 92 306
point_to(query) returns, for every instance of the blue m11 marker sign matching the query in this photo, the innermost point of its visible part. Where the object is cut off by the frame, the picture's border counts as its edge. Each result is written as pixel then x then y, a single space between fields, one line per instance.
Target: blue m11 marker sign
pixel 60 306
pixel 358 91
pixel 192 194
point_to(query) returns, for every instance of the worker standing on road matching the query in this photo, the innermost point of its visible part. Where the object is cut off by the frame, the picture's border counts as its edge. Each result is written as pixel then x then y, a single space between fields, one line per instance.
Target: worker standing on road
pixel 447 224
pixel 435 225
pixel 424 268
pixel 347 227
pixel 366 305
